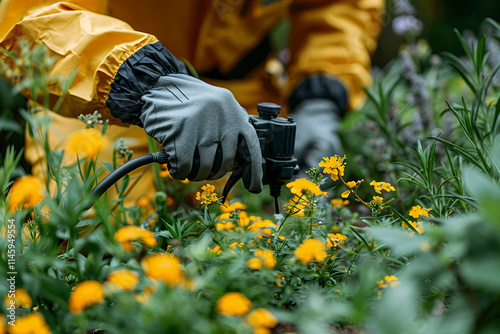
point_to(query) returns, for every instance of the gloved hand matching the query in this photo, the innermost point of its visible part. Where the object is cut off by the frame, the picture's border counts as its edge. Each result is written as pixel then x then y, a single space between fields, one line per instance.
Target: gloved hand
pixel 317 126
pixel 203 129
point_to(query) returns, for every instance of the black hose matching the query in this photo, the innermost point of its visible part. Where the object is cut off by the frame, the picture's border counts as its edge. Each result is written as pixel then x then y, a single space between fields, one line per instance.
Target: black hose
pixel 160 157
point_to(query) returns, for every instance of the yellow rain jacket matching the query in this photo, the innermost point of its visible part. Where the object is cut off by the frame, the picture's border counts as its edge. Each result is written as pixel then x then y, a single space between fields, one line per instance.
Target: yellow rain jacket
pixel 116 46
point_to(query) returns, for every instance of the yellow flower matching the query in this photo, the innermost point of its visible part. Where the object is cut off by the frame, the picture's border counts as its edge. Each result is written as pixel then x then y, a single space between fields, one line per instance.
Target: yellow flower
pixel 339 203
pixel 85 143
pixel 267 257
pixel 124 279
pixel 208 195
pixel 263 226
pixel 127 234
pixel 33 323
pixel 233 304
pixel 3 321
pixel 391 281
pixel 335 239
pixel 254 263
pixel 20 299
pixel 27 190
pixel 85 294
pixel 261 319
pixel 233 207
pixel 238 244
pixel 224 225
pixel 417 226
pixel 378 186
pixel 280 277
pixel 311 249
pixel 215 250
pixel 417 211
pixel 165 268
pixel 143 202
pixel 377 200
pixel 303 186
pixel 345 194
pixel 334 166
pixel 243 219
pixel 351 184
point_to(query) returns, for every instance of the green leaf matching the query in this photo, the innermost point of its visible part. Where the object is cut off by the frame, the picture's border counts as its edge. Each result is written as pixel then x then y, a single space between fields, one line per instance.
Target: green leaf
pixel 486 191
pixel 482 272
pixel 400 242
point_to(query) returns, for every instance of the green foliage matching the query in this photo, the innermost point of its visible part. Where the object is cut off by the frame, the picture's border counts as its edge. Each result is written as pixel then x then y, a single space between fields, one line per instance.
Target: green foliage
pixel 415 250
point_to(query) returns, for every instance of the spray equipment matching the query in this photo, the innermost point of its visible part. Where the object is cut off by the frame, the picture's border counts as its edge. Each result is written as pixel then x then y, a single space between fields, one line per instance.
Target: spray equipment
pixel 277 140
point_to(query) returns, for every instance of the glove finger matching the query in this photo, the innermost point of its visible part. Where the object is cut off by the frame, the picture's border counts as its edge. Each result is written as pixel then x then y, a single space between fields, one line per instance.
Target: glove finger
pixel 195 166
pixel 216 166
pixel 249 149
pixel 207 156
pixel 182 163
pixel 228 148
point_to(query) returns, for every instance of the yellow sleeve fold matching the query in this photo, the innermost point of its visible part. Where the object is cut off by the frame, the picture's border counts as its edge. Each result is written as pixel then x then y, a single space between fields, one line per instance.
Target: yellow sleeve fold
pixel 336 38
pixel 93 44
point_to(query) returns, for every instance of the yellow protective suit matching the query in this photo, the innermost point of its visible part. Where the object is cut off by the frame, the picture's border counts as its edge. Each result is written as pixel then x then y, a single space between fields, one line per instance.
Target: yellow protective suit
pixel 335 38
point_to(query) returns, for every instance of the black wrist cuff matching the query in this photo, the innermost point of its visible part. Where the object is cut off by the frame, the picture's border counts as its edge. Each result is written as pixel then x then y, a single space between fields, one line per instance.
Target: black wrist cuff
pixel 320 87
pixel 136 76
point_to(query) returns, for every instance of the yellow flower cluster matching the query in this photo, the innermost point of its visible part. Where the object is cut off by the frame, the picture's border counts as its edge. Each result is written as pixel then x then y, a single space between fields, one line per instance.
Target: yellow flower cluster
pixel 417 211
pixel 123 279
pixel 388 281
pixel 21 299
pixel 339 203
pixel 311 250
pixel 85 294
pixel 417 226
pixel 127 234
pixel 379 186
pixel 334 166
pixel 233 304
pixel 301 187
pixel 164 268
pixel 26 191
pixel 208 195
pixel 263 257
pixel 85 143
pixel 33 323
pixel 261 321
pixel 335 239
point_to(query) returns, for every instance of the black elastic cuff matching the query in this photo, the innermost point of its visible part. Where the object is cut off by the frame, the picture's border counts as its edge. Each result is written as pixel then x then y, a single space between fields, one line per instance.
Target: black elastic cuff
pixel 320 87
pixel 136 76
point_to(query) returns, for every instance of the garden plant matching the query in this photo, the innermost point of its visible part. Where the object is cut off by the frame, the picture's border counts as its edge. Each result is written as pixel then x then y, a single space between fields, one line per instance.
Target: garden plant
pixel 400 235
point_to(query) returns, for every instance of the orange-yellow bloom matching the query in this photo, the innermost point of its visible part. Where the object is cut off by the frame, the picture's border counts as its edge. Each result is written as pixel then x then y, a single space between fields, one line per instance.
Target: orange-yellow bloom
pixel 165 268
pixel 233 304
pixel 263 226
pixel 85 143
pixel 345 194
pixel 311 249
pixel 391 281
pixel 379 186
pixel 254 263
pixel 27 190
pixel 124 279
pixel 334 166
pixel 417 211
pixel 208 195
pixel 416 225
pixel 85 294
pixel 377 200
pixel 335 239
pixel 127 234
pixel 261 320
pixel 267 257
pixel 339 203
pixel 21 298
pixel 303 186
pixel 33 323
pixel 233 207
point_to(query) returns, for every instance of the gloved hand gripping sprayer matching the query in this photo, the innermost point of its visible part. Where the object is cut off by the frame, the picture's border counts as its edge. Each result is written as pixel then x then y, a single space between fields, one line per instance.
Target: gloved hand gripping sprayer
pixel 277 140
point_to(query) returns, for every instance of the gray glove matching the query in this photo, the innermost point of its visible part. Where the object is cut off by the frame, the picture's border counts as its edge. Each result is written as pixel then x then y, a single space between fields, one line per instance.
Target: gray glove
pixel 317 125
pixel 203 129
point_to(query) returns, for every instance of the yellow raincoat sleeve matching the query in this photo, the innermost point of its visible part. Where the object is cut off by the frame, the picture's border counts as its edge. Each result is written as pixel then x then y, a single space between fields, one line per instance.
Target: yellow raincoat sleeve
pixel 335 38
pixel 82 38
